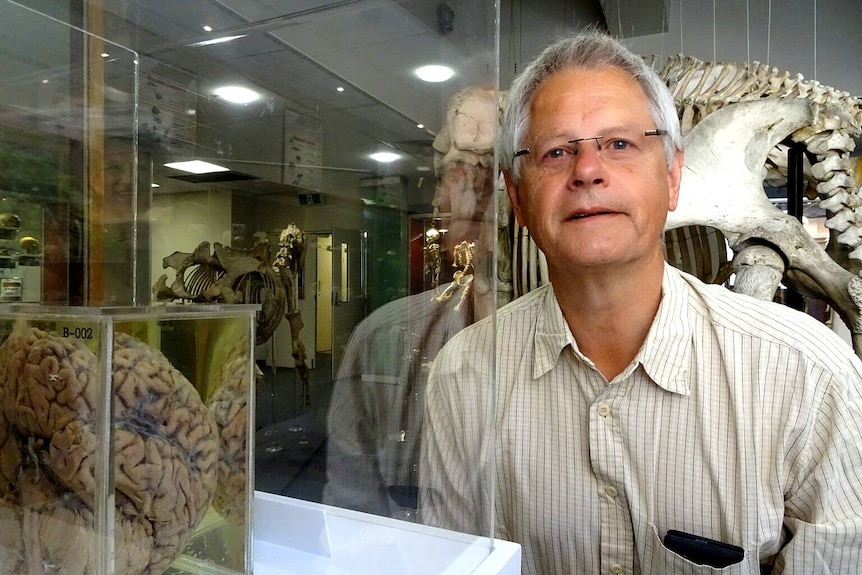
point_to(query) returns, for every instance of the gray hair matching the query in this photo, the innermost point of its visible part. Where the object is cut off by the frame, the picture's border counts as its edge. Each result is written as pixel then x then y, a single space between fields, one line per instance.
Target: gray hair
pixel 592 50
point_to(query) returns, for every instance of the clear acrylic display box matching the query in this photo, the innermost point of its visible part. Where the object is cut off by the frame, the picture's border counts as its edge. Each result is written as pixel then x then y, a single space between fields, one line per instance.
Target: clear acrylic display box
pixel 124 437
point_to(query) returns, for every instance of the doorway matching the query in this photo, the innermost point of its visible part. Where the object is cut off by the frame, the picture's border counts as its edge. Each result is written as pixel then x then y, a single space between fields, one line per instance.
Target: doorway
pixel 323 295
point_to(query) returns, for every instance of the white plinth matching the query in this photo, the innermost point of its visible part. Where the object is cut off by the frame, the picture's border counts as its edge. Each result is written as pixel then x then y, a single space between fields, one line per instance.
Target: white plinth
pixel 293 537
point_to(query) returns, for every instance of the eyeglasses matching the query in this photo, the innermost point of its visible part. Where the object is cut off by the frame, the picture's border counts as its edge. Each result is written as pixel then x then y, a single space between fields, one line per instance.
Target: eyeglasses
pixel 620 146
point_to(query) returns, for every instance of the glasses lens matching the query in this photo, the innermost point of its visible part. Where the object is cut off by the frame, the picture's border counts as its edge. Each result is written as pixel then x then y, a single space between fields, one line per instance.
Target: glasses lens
pixel 623 145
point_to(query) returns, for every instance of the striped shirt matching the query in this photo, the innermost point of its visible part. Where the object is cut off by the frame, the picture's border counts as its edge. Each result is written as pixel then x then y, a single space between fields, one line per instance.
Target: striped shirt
pixel 738 420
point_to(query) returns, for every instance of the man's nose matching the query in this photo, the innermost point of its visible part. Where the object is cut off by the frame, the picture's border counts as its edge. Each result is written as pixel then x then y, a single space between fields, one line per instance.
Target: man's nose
pixel 587 165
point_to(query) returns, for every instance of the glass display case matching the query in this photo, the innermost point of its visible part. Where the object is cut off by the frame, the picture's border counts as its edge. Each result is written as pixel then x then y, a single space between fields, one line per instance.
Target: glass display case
pixel 69 226
pixel 124 437
pixel 296 157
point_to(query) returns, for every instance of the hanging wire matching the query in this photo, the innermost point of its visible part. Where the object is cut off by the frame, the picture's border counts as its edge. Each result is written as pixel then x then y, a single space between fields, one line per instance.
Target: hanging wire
pixel 815 39
pixel 619 20
pixel 747 33
pixel 663 34
pixel 681 49
pixel 768 31
pixel 714 59
pixel 514 36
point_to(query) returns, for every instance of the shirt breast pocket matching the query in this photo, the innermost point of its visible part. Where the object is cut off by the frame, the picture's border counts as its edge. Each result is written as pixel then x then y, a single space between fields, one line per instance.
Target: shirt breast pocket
pixel 662 560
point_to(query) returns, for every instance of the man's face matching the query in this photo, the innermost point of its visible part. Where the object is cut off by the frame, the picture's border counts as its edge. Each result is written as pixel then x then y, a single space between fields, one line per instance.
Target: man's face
pixel 599 209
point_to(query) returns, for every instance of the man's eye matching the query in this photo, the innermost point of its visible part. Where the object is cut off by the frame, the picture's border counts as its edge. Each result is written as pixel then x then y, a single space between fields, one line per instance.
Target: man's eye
pixel 557 153
pixel 618 144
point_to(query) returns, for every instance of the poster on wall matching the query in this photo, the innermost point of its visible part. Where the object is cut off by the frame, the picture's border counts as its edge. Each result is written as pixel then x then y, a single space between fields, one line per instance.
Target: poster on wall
pixel 168 108
pixel 303 152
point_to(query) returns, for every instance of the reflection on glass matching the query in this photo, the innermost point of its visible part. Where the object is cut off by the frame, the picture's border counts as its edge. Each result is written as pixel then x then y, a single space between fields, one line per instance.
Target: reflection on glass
pixel 85 133
pixel 345 283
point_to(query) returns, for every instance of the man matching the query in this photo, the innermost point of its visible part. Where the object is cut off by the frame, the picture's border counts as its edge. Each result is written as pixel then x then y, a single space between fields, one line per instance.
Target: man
pixel 626 399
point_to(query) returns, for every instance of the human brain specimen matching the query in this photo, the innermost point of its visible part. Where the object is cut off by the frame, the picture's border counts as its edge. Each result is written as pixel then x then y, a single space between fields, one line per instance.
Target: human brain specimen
pixel 229 406
pixel 165 449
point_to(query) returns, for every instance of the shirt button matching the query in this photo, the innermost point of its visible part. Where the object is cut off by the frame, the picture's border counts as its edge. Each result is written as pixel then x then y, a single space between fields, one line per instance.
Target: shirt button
pixel 611 491
pixel 617 569
pixel 604 409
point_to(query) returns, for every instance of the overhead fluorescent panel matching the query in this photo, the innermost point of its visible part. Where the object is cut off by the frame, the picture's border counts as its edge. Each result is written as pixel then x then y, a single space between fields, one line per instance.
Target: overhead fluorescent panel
pixel 214 177
pixel 630 18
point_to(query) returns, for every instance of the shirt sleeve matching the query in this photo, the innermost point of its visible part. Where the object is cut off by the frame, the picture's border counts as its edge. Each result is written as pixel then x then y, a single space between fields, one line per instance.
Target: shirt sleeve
pixel 823 498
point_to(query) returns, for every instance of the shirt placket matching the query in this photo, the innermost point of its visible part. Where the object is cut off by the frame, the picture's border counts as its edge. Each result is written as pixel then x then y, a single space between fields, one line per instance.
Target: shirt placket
pixel 607 461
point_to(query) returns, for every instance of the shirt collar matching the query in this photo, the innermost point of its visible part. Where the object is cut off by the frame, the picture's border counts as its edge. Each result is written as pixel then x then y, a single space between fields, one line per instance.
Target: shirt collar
pixel 552 334
pixel 664 354
pixel 667 348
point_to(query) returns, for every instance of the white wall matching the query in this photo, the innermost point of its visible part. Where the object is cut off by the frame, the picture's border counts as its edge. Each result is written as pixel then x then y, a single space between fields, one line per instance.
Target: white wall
pixel 740 30
pixel 180 222
pixel 743 30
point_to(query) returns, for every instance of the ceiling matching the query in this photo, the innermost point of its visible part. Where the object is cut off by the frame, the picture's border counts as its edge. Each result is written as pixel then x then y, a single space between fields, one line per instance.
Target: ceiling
pixel 298 52
pixel 298 57
pixel 295 53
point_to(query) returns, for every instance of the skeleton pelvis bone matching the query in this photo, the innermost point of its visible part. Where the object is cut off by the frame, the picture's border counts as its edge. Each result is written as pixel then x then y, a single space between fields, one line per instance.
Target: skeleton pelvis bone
pixel 722 187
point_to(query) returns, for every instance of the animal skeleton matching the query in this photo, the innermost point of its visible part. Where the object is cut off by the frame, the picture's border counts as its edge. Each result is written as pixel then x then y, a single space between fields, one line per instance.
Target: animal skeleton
pixel 722 187
pixel 464 163
pixel 463 277
pixel 217 273
pixel 701 88
pixel 736 120
pixel 288 264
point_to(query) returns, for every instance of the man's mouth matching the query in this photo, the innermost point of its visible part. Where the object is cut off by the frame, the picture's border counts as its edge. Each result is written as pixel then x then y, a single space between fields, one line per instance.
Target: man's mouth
pixel 582 215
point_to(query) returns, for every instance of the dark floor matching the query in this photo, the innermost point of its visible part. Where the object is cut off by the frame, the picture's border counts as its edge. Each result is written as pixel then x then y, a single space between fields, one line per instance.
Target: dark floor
pixel 290 437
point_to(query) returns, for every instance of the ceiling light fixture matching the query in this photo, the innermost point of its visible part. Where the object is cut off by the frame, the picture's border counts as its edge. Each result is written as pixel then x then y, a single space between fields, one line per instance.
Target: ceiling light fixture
pixel 221 40
pixel 208 28
pixel 385 157
pixel 339 89
pixel 420 126
pixel 236 94
pixel 196 167
pixel 434 73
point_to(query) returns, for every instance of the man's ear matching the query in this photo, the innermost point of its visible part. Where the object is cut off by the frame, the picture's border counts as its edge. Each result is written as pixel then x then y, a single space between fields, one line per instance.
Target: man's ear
pixel 513 191
pixel 674 179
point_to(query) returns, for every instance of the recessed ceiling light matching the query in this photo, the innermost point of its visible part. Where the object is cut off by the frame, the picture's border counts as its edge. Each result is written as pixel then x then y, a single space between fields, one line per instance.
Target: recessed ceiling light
pixel 434 73
pixel 208 28
pixel 236 94
pixel 105 54
pixel 221 40
pixel 196 167
pixel 385 157
pixel 420 126
pixel 339 89
pixel 45 81
pixel 154 185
